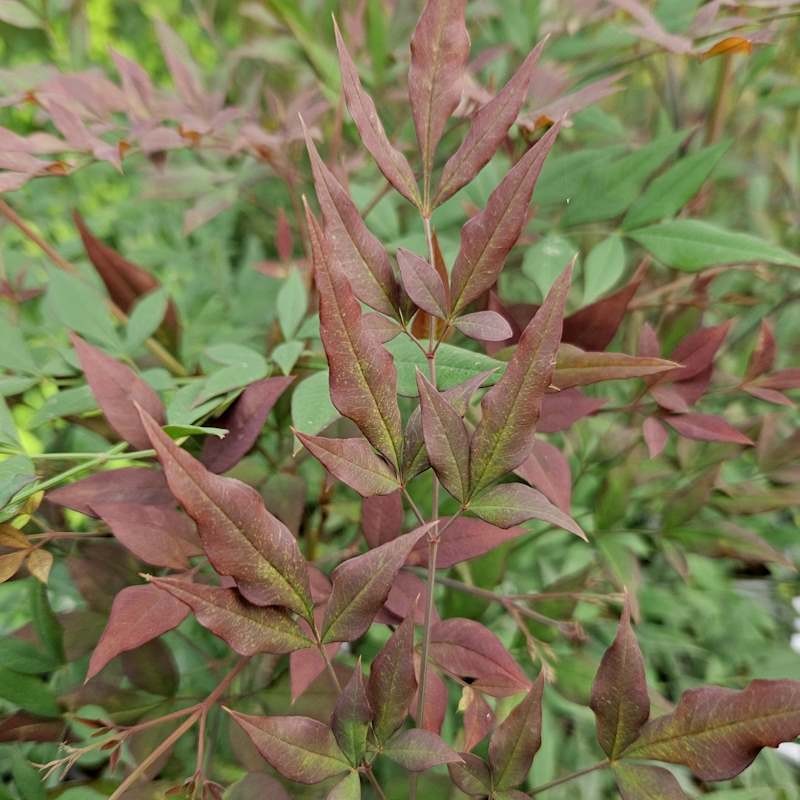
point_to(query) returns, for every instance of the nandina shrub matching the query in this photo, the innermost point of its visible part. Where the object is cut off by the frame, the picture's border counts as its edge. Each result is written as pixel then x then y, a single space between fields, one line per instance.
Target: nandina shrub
pixel 444 391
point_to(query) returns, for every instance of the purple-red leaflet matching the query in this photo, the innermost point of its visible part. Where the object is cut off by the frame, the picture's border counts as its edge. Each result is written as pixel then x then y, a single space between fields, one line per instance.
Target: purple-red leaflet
pixel 423 283
pixel 547 470
pixel 706 428
pixel 382 518
pixel 486 326
pixel 576 367
pixel 241 538
pixel 417 750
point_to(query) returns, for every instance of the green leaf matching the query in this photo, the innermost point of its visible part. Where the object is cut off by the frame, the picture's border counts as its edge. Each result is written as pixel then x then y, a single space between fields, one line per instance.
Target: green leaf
pixel 454 365
pixel 604 267
pixel 145 318
pixel 27 779
pixel 14 354
pixel 312 409
pixel 66 403
pixel 546 260
pixel 28 692
pixel 45 622
pixel 22 656
pixel 179 431
pixel 15 473
pixel 15 13
pixel 668 193
pixel 285 355
pixel 692 245
pixel 243 366
pixel 292 304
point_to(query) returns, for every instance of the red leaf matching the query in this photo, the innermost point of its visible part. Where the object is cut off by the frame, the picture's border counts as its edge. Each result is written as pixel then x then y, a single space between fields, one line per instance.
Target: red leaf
pixel 466 649
pixel 620 700
pixel 406 590
pixel 718 732
pixel 382 518
pixel 117 388
pixel 139 614
pixel 655 436
pixel 762 359
pixel 562 410
pixel 354 462
pixel 356 250
pixel 576 367
pixel 696 352
pixel 361 585
pixel 126 485
pixel 478 717
pixel 547 470
pixel 241 538
pixel 486 326
pixel 489 236
pixel 305 666
pixel 436 700
pixel 439 53
pixel 782 379
pixel 706 428
pixel 244 421
pixel 517 740
pixel 391 162
pixel 363 378
pixel 299 748
pixel 422 283
pixel 510 409
pixel 417 750
pixel 488 130
pixel 246 628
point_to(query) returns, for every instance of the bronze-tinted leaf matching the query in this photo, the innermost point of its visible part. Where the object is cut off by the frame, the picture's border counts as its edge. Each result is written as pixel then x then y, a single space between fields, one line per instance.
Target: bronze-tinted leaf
pixel 706 428
pixel 351 718
pixel 717 732
pixel 576 367
pixel 422 283
pixel 655 436
pixel 300 748
pixel 116 387
pixel 620 700
pixel 645 782
pixel 563 409
pixel 517 740
pixel 392 682
pixel 363 378
pixel 547 470
pixel 356 250
pixel 488 130
pixel 248 629
pixel 139 614
pixel 391 162
pixel 361 585
pixel 354 462
pixel 488 237
pixel 486 326
pixel 504 436
pixel 417 750
pixel 471 775
pixel 382 518
pixel 241 538
pixel 244 421
pixel 439 53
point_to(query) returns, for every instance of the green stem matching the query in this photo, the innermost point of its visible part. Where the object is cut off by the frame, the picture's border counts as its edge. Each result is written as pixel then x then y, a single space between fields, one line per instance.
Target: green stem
pixel 571 777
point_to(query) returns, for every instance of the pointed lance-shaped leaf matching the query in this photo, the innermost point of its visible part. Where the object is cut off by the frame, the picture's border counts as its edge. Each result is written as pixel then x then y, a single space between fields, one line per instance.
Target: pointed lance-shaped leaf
pixel 352 715
pixel 439 53
pixel 517 740
pixel 138 615
pixel 511 504
pixel 356 250
pixel 241 538
pixel 486 326
pixel 488 130
pixel 504 436
pixel 116 387
pixel 446 439
pixel 488 237
pixel 471 775
pixel 718 732
pixel 620 700
pixel 361 586
pixel 299 748
pixel 417 750
pixel 354 462
pixel 547 470
pixel 391 162
pixel 382 518
pixel 646 782
pixel 392 681
pixel 248 629
pixel 706 428
pixel 363 378
pixel 576 367
pixel 244 421
pixel 762 358
pixel 422 283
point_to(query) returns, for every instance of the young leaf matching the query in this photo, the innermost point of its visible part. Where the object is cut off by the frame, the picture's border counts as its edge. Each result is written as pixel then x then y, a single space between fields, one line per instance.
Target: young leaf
pixel 417 750
pixel 354 462
pixel 655 436
pixel 467 649
pixel 645 782
pixel 576 367
pixel 246 628
pixel 488 237
pixel 446 439
pixel 117 388
pixel 356 250
pixel 244 421
pixel 439 53
pixel 620 700
pixel 241 538
pixel 391 162
pixel 139 614
pixel 382 518
pixel 422 283
pixel 517 740
pixel 351 718
pixel 392 681
pixel 299 748
pixel 718 732
pixel 488 130
pixel 562 410
pixel 706 428
pixel 362 374
pixel 692 245
pixel 471 775
pixel 487 326
pixel 547 470
pixel 361 585
pixel 504 436
pixel 510 504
